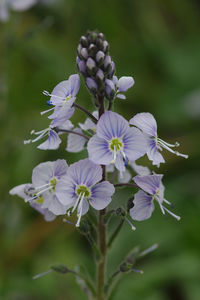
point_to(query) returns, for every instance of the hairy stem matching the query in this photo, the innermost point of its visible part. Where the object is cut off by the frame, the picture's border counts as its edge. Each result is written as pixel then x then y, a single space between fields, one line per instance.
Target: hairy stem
pixel 86 112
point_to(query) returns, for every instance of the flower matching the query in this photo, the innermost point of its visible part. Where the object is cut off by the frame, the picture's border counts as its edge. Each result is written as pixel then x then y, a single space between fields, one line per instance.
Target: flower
pixel 147 124
pixel 143 202
pixel 24 191
pixel 115 142
pixel 89 124
pixel 122 85
pixel 53 141
pixel 81 185
pixel 45 178
pixel 115 87
pixel 62 98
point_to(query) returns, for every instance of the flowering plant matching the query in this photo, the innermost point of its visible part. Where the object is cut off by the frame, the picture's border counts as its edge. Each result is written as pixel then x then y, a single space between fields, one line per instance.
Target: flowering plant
pixel 114 145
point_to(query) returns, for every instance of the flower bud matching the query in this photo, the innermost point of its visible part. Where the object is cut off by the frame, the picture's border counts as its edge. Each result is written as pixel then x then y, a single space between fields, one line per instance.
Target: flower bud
pixel 92 50
pixel 91 66
pixel 91 84
pixel 81 65
pixel 110 89
pixel 84 53
pixel 100 57
pixel 84 41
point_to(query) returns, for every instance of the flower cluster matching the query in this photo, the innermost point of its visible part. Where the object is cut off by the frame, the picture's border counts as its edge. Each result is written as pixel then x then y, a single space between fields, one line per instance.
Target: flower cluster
pixel 113 145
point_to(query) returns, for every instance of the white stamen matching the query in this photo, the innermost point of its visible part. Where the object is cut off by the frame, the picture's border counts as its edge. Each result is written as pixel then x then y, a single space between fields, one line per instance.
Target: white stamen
pixel 76 203
pixel 46 111
pixel 166 201
pixel 148 250
pixel 172 151
pixel 114 154
pixel 38 194
pixel 81 209
pixel 46 93
pixel 167 144
pixel 172 214
pixel 161 207
pixel 129 222
pixel 42 186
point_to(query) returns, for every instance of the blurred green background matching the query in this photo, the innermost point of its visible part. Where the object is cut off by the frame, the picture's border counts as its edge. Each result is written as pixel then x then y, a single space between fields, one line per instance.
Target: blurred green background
pixel 156 42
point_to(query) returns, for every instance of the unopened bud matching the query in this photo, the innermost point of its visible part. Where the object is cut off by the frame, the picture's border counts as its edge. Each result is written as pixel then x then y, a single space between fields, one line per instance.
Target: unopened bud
pixel 92 50
pixel 84 41
pixel 84 53
pixel 100 57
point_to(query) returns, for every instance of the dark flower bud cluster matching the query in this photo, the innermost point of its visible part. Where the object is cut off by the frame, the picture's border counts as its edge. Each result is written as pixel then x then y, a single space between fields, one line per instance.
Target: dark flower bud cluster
pixel 94 62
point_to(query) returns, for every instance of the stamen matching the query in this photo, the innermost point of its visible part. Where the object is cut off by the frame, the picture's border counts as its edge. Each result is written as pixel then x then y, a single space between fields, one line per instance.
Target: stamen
pixel 46 93
pixel 81 209
pixel 38 194
pixel 166 201
pixel 76 203
pixel 172 214
pixel 161 207
pixel 40 134
pixel 172 151
pixel 167 144
pixel 46 111
pixel 129 222
pixel 149 250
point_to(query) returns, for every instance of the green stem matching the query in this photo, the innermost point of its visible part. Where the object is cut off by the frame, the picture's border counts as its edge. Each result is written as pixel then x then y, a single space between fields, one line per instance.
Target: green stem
pixel 101 265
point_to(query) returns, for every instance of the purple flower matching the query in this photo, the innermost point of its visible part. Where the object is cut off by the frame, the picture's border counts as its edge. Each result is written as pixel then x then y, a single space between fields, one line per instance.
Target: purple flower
pixel 25 191
pixel 62 98
pixel 89 124
pixel 53 141
pixel 81 186
pixel 115 142
pixel 143 202
pixel 147 124
pixel 122 85
pixel 45 178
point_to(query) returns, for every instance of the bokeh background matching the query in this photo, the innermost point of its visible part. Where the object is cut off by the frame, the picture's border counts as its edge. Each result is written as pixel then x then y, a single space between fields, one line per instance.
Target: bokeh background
pixel 156 42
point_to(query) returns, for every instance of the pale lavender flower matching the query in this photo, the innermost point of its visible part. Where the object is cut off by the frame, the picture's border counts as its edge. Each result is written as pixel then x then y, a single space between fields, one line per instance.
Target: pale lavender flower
pixel 140 170
pixel 81 185
pixel 53 140
pixel 115 142
pixel 143 202
pixel 25 191
pixel 75 143
pixel 62 98
pixel 45 178
pixel 147 124
pixel 122 85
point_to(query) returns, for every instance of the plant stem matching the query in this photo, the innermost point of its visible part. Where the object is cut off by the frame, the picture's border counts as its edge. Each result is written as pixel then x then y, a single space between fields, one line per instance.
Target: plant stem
pixel 86 112
pixel 101 266
pixel 115 233
pixel 74 132
pixel 125 184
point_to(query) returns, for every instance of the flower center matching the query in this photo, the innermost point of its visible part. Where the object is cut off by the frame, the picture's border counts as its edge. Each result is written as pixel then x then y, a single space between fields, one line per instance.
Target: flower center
pixel 67 98
pixel 53 183
pixel 115 144
pixel 83 190
pixel 39 200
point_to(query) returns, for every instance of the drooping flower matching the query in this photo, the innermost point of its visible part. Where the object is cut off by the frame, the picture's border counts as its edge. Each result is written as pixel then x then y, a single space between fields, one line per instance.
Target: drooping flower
pixel 53 141
pixel 115 142
pixel 152 190
pixel 62 98
pixel 81 187
pixel 25 191
pixel 116 87
pixel 45 178
pixel 147 124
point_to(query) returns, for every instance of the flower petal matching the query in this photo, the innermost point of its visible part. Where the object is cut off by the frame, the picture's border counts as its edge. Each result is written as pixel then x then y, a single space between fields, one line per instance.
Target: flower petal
pixel 60 168
pixel 140 170
pixel 111 125
pixel 75 143
pixel 119 163
pixel 20 191
pixel 153 154
pixel 42 173
pixel 74 81
pixel 146 122
pixel 149 183
pixel 61 115
pixel 101 195
pixel 125 83
pixel 52 143
pixel 98 150
pixel 85 172
pixel 143 206
pixel 21 5
pixel 135 144
pixel 121 96
pixel 48 215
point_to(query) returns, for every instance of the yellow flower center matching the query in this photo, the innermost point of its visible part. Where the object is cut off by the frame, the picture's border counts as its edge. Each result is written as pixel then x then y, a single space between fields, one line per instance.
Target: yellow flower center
pixel 115 144
pixel 82 189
